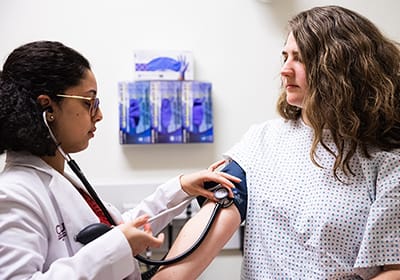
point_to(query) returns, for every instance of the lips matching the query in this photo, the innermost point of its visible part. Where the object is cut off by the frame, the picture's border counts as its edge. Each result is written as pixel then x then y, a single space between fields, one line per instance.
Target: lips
pixel 91 132
pixel 291 85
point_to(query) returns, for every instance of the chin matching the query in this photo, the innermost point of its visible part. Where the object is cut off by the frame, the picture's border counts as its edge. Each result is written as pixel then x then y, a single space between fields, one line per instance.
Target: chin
pixel 79 149
pixel 295 101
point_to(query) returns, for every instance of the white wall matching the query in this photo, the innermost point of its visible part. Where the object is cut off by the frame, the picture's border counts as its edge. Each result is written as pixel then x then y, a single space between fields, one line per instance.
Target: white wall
pixel 236 45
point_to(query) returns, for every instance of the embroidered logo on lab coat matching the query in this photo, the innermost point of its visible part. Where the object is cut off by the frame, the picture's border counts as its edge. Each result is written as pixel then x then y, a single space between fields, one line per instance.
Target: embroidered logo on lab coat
pixel 61 232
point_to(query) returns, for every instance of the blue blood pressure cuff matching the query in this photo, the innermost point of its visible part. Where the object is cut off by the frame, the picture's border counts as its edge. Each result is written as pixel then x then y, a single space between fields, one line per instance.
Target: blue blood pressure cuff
pixel 239 192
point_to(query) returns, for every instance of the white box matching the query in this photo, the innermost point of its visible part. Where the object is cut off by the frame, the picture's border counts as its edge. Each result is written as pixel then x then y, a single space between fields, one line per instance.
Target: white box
pixel 163 65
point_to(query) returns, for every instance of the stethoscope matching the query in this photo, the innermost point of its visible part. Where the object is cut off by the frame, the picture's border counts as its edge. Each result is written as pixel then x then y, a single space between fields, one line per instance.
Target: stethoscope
pixel 91 232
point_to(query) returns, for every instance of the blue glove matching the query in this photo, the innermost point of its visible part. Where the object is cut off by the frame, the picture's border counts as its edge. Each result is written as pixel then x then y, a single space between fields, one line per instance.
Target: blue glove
pixel 197 113
pixel 166 114
pixel 134 112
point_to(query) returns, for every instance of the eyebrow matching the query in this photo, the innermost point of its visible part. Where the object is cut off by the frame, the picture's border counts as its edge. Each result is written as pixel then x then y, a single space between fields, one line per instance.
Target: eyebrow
pixel 92 92
pixel 293 52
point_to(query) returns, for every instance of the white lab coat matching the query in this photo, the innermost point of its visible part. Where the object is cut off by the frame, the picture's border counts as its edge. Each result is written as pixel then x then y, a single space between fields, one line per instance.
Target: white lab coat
pixel 41 212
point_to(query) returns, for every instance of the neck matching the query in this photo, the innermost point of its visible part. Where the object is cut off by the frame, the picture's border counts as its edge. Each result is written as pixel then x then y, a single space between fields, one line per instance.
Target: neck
pixel 304 117
pixel 57 162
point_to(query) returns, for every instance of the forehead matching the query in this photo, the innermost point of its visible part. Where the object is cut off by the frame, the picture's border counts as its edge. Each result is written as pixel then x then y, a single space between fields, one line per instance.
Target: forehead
pixel 291 43
pixel 88 85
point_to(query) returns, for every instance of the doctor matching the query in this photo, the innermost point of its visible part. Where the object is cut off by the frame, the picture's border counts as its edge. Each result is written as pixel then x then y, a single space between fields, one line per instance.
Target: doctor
pixel 42 208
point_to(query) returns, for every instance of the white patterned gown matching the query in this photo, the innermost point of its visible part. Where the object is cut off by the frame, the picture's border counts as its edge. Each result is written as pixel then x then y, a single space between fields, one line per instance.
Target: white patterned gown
pixel 301 222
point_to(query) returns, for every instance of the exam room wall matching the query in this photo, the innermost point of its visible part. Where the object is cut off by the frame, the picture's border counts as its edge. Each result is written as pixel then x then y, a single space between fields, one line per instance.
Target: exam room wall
pixel 236 45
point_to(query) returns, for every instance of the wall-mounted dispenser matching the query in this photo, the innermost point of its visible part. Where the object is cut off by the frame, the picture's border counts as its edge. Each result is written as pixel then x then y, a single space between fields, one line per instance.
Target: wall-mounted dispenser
pixel 165 112
pixel 164 104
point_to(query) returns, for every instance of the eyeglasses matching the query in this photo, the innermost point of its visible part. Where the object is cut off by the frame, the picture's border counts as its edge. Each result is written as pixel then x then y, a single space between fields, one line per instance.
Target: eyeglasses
pixel 94 102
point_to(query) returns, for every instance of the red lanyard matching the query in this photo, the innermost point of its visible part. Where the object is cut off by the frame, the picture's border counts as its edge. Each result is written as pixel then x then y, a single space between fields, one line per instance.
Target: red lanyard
pixel 95 207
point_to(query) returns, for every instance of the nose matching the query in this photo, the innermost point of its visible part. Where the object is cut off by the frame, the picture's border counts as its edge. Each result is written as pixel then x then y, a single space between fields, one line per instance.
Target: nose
pixel 99 115
pixel 287 69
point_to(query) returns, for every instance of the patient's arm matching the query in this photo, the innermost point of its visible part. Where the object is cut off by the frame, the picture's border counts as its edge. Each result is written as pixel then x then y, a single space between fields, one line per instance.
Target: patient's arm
pixel 225 225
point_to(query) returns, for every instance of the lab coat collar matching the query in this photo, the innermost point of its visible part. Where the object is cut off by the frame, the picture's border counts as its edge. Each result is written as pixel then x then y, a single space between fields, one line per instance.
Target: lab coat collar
pixel 75 212
pixel 29 160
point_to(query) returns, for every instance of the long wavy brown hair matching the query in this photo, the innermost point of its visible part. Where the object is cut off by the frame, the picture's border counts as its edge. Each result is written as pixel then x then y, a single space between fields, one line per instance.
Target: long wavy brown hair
pixel 353 76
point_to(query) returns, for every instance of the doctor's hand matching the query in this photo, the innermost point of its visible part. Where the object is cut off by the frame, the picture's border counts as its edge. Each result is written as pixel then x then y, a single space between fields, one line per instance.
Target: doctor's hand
pixel 193 184
pixel 139 239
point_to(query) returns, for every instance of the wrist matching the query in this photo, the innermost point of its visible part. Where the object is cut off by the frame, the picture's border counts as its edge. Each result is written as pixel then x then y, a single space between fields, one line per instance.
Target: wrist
pixel 181 180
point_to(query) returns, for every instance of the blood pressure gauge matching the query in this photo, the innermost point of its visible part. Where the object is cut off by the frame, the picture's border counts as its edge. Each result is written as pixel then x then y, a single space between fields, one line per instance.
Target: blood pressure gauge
pixel 222 194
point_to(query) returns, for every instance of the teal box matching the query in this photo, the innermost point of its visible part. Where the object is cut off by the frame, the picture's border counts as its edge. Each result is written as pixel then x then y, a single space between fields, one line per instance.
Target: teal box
pixel 135 113
pixel 197 114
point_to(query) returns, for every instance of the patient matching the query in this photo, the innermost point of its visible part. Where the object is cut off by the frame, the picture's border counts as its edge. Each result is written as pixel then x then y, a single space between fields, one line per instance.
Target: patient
pixel 324 179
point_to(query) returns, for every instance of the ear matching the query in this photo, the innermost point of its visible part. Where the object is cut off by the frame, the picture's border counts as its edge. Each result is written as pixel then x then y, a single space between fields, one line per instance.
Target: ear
pixel 45 101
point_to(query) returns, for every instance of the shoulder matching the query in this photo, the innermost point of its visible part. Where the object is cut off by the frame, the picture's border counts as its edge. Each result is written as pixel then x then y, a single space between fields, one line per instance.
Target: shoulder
pixel 21 187
pixel 380 157
pixel 382 167
pixel 387 160
pixel 272 128
pixel 260 138
pixel 22 182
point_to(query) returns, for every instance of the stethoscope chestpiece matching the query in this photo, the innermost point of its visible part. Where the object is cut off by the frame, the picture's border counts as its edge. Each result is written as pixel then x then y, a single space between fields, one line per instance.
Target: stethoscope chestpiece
pixel 222 194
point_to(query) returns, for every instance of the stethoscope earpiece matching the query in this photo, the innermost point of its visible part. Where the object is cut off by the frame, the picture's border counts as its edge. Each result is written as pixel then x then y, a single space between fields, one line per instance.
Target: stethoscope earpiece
pixel 93 231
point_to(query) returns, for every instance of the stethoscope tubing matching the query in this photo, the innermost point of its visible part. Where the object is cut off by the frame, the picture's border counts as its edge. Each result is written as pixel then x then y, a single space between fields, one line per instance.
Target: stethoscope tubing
pixel 190 250
pixel 75 168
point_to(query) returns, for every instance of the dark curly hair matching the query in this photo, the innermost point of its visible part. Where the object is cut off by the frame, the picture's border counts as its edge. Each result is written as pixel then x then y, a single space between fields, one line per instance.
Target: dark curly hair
pixel 42 67
pixel 353 76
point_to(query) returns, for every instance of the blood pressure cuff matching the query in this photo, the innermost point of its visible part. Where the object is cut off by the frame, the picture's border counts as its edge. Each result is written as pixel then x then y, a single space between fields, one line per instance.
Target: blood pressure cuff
pixel 239 192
